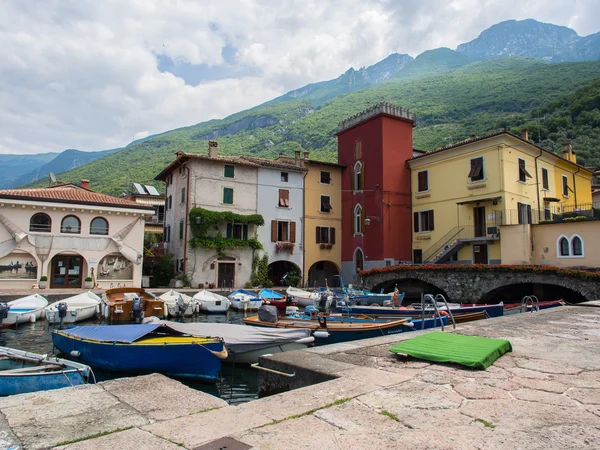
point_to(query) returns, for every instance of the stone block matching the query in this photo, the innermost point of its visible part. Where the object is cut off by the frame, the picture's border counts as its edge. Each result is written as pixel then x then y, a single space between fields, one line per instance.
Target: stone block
pixel 585 396
pixel 548 398
pixel 133 439
pixel 414 395
pixel 480 391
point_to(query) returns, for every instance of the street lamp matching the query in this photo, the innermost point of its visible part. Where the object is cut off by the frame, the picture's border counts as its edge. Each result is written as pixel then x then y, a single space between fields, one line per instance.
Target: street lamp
pixel 368 219
pixel 198 220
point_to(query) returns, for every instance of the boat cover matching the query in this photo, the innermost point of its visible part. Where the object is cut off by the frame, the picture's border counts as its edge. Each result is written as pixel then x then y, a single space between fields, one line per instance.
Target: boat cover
pixel 470 351
pixel 113 333
pixel 267 293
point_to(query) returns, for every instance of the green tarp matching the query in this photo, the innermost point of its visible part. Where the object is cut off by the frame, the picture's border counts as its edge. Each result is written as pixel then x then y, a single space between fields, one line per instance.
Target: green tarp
pixel 470 351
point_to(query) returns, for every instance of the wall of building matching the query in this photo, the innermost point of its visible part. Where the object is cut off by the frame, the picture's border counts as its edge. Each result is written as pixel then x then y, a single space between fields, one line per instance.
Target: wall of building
pixel 516 244
pixel 545 244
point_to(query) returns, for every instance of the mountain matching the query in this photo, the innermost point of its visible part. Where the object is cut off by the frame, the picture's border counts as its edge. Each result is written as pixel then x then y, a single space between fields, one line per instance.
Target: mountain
pixel 532 39
pixel 14 166
pixel 67 160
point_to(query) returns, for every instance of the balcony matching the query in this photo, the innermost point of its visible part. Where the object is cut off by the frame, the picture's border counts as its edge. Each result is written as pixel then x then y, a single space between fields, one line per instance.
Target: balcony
pixel 557 214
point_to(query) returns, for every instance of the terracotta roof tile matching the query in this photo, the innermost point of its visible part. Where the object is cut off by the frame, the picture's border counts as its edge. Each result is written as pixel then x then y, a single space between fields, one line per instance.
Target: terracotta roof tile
pixel 69 193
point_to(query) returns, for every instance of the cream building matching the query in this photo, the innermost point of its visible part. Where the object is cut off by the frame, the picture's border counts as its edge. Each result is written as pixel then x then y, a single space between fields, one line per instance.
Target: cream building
pixel 68 233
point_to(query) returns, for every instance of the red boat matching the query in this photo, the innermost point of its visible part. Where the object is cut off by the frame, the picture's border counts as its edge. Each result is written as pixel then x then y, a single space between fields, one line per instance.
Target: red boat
pixel 281 302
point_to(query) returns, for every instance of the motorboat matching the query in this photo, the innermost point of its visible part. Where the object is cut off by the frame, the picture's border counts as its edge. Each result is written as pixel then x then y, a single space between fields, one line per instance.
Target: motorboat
pixel 23 310
pixel 74 309
pixel 245 344
pixel 179 304
pixel 416 311
pixel 130 304
pixel 22 372
pixel 143 348
pixel 210 302
pixel 242 300
pixel 302 297
pixel 281 302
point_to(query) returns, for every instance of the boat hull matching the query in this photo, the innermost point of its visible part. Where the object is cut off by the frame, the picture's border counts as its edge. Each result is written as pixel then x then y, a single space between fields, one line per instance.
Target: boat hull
pixel 18 317
pixel 73 315
pixel 490 310
pixel 115 308
pixel 177 360
pixel 213 307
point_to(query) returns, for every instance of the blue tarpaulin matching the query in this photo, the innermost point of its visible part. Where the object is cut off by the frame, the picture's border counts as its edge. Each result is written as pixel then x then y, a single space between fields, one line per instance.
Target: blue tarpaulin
pixel 267 293
pixel 113 333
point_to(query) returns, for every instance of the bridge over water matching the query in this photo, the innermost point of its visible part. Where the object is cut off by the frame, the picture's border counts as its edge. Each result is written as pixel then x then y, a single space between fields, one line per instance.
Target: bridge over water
pixel 472 284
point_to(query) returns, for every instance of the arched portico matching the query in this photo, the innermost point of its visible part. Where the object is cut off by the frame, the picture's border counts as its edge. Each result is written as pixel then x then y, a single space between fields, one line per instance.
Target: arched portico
pixel 322 273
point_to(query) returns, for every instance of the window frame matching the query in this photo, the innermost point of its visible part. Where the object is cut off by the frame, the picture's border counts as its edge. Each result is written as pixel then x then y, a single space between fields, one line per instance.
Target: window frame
pixel 183 195
pixel 328 207
pixel 329 232
pixel 92 224
pixel 426 182
pixel 559 248
pixel 357 219
pixel 181 229
pixel 328 177
pixel 227 189
pixel 285 176
pixel 565 186
pixel 62 229
pixel 545 179
pixel 523 174
pixel 283 201
pixel 572 246
pixel 228 166
pixel 280 225
pixel 423 221
pixel 474 175
pixel 524 211
pixel 49 226
pixel 357 177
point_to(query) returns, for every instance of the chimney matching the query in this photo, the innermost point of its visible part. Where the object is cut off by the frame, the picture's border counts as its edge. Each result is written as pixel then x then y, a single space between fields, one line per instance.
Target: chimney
pixel 213 149
pixel 85 183
pixel 568 152
pixel 59 183
pixel 526 134
pixel 297 156
pixel 306 155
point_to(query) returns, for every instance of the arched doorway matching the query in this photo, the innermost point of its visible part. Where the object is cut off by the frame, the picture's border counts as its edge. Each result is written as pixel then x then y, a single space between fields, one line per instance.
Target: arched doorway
pixel 359 259
pixel 280 269
pixel 67 271
pixel 322 273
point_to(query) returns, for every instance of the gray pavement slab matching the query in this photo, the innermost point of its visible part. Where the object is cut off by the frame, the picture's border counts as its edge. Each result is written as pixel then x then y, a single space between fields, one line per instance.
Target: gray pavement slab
pixel 132 439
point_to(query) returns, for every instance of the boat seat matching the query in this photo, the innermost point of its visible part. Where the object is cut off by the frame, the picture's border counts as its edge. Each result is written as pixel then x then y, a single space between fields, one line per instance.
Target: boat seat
pixel 41 368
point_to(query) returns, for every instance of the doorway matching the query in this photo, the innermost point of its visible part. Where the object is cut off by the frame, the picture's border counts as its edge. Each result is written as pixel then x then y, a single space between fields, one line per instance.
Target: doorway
pixel 480 254
pixel 479 221
pixel 66 271
pixel 226 275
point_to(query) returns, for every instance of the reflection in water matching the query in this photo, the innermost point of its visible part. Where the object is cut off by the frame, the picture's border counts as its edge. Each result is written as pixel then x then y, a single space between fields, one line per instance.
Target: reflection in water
pixel 238 384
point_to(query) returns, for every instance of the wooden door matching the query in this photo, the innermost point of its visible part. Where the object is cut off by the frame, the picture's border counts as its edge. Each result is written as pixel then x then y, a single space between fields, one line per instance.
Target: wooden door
pixel 480 253
pixel 226 275
pixel 67 272
pixel 479 221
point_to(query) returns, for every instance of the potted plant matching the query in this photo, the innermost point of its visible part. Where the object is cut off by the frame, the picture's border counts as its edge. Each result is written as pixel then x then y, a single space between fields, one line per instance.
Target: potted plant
pixel 88 283
pixel 43 282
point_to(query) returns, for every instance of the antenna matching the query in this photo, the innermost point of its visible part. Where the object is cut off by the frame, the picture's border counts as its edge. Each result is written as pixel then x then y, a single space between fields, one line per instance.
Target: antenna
pixel 52 178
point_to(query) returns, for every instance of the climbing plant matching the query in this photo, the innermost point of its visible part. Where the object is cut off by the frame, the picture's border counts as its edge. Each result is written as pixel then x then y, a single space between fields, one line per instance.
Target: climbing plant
pixel 260 271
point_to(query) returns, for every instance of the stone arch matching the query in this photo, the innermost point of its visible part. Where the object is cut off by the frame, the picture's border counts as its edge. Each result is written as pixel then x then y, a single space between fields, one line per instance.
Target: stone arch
pixel 278 269
pixel 322 273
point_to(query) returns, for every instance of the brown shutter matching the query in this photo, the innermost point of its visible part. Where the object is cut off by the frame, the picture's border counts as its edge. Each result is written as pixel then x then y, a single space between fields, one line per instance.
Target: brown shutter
pixel 431 220
pixel 332 235
pixel 352 222
pixel 416 222
pixel 318 235
pixel 362 178
pixel 273 231
pixel 292 231
pixel 362 220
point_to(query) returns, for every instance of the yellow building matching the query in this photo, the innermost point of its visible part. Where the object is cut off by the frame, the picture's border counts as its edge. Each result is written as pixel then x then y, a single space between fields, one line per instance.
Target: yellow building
pixel 466 197
pixel 322 220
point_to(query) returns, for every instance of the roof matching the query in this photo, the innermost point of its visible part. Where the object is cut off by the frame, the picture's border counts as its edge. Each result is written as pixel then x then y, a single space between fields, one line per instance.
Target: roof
pixel 489 136
pixel 240 160
pixel 325 163
pixel 385 109
pixel 71 194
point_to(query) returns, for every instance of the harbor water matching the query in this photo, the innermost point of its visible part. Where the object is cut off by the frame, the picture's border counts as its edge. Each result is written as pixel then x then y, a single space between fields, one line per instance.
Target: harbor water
pixel 238 383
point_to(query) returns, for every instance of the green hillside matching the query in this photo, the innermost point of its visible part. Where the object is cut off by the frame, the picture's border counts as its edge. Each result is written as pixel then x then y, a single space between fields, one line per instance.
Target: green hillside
pixel 451 101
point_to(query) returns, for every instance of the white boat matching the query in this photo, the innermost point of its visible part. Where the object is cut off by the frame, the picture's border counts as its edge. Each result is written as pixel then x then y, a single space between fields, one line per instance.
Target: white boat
pixel 211 303
pixel 79 307
pixel 178 304
pixel 304 298
pixel 242 300
pixel 24 310
pixel 245 344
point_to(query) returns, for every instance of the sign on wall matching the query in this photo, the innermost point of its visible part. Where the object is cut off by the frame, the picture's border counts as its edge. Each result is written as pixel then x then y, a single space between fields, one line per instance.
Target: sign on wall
pixel 114 267
pixel 18 265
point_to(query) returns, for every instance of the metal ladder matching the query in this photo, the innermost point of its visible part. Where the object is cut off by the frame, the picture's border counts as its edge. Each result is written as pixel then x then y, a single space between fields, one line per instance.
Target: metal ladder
pixel 429 298
pixel 529 300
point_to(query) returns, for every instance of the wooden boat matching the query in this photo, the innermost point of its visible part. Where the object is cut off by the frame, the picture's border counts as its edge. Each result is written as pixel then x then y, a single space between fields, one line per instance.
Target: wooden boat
pixel 178 304
pixel 455 308
pixel 245 344
pixel 22 372
pixel 24 310
pixel 210 302
pixel 120 305
pixel 302 297
pixel 143 348
pixel 242 300
pixel 78 307
pixel 281 302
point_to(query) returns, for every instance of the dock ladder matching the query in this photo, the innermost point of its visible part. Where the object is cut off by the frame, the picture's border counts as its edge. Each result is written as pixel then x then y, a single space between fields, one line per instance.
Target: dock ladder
pixel 530 300
pixel 430 299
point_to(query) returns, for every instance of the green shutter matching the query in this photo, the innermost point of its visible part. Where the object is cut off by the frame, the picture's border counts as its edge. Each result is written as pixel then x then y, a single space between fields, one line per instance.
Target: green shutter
pixel 229 230
pixel 228 196
pixel 229 172
pixel 245 232
pixel 181 229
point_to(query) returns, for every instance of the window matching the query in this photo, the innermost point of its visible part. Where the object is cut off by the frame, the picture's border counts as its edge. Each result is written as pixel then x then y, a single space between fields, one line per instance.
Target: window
pixel 577 246
pixel 229 171
pixel 358 177
pixel 547 213
pixel 523 174
pixel 357 220
pixel 565 186
pixel 70 224
pixel 325 204
pixel 181 229
pixel 524 213
pixel 423 221
pixel 99 225
pixel 476 173
pixel 358 150
pixel 237 231
pixel 168 233
pixel 284 198
pixel 284 177
pixel 545 183
pixel 228 196
pixel 325 235
pixel 169 202
pixel 325 178
pixel 40 222
pixel 183 195
pixel 283 231
pixel 422 181
pixel 570 248
pixel 359 258
pixel 170 179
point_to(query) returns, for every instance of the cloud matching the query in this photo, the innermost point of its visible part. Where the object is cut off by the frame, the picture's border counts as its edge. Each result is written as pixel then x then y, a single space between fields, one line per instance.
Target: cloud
pixel 95 75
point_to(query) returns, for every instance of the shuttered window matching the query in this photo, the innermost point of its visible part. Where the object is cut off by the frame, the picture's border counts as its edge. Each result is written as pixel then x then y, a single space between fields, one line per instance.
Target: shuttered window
pixel 524 211
pixel 423 221
pixel 358 179
pixel 325 235
pixel 422 181
pixel 283 231
pixel 545 182
pixel 325 204
pixel 181 229
pixel 183 195
pixel 523 174
pixel 325 178
pixel 229 171
pixel 228 196
pixel 476 172
pixel 284 198
pixel 358 219
pixel 358 150
pixel 237 231
pixel 565 186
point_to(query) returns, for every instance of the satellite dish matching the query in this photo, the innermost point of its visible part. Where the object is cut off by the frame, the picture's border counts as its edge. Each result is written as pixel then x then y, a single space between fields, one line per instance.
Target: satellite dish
pixel 52 177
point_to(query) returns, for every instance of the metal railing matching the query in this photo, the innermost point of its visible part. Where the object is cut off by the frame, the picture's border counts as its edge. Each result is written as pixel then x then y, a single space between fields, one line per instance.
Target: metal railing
pixel 458 234
pixel 555 214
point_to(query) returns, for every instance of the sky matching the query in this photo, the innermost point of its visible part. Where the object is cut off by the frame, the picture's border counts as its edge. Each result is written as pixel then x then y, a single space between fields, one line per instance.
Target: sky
pixel 95 75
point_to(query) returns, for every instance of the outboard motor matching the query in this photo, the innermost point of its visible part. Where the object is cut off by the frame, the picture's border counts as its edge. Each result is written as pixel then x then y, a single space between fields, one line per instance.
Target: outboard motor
pixel 323 302
pixel 181 306
pixel 62 312
pixel 3 311
pixel 137 309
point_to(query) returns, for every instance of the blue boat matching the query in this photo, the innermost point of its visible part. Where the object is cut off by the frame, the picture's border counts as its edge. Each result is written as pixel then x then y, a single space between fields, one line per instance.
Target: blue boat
pixel 22 372
pixel 143 348
pixel 456 310
pixel 243 300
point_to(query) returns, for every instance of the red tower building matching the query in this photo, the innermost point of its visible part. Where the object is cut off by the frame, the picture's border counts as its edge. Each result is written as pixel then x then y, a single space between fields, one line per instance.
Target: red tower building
pixel 376 216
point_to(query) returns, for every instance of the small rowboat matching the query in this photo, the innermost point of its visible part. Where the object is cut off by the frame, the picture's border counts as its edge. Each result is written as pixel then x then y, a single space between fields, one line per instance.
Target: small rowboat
pixel 22 372
pixel 130 305
pixel 24 310
pixel 79 307
pixel 242 300
pixel 281 302
pixel 178 304
pixel 209 302
pixel 513 308
pixel 304 298
pixel 143 348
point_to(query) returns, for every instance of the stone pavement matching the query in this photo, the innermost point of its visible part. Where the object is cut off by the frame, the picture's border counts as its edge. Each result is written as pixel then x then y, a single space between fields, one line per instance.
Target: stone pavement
pixel 545 394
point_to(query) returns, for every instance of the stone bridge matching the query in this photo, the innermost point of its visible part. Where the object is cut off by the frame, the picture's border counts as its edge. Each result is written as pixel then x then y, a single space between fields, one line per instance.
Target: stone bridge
pixel 471 286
